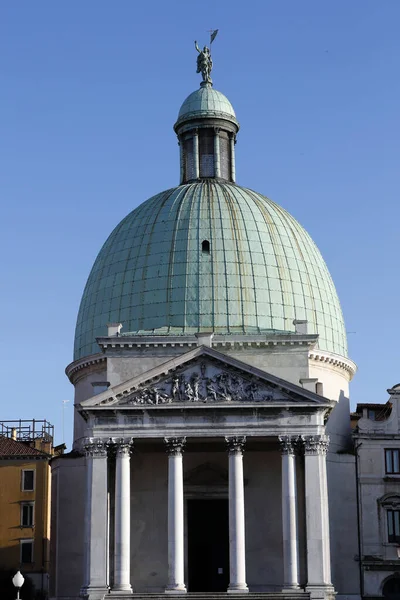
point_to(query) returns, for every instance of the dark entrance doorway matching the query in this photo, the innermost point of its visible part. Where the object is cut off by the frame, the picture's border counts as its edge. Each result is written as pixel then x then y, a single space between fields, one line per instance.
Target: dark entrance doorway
pixel 208 545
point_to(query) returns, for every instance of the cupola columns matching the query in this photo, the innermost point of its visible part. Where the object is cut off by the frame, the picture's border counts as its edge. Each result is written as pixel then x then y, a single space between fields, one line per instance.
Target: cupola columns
pixel 207 152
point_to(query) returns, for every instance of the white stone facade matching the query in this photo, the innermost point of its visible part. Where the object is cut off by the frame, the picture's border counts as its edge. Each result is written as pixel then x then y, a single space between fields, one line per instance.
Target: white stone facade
pixel 207 419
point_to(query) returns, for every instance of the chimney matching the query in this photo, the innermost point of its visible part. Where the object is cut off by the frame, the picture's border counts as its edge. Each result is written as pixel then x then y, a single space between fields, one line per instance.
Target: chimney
pixel 14 434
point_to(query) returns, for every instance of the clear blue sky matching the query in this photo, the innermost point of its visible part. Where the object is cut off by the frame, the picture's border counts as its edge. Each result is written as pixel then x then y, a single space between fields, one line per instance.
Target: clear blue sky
pixel 89 93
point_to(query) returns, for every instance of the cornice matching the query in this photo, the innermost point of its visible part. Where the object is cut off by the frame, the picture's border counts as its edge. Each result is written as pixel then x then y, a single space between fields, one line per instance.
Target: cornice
pixel 335 360
pixel 219 341
pixel 74 368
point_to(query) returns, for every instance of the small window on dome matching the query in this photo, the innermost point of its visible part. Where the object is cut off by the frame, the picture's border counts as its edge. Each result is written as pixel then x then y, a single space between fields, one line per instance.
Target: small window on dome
pixel 205 247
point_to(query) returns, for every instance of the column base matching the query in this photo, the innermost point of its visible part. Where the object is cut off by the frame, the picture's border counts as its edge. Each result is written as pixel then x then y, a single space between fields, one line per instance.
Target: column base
pixel 289 589
pixel 238 588
pixel 176 589
pixel 93 592
pixel 121 590
pixel 321 592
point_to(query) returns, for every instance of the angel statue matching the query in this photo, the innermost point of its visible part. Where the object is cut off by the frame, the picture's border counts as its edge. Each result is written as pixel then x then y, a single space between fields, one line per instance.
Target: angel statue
pixel 204 63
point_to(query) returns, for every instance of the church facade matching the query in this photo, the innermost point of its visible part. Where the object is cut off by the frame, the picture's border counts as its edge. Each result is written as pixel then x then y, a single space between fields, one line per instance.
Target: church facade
pixel 212 442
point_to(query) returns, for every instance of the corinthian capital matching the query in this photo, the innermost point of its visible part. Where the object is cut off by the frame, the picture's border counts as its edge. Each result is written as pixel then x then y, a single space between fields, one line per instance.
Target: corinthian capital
pixel 315 444
pixel 122 446
pixel 287 444
pixel 235 444
pixel 175 445
pixel 95 447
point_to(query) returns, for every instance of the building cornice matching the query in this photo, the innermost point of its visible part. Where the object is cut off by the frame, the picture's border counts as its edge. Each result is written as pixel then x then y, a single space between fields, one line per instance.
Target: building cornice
pixel 335 360
pixel 74 368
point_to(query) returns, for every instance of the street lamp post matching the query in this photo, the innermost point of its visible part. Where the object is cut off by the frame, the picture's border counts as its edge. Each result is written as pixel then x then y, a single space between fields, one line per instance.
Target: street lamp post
pixel 18 582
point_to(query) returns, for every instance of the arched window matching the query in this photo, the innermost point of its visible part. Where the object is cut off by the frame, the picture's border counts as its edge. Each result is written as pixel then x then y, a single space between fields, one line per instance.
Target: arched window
pixel 205 246
pixel 391 588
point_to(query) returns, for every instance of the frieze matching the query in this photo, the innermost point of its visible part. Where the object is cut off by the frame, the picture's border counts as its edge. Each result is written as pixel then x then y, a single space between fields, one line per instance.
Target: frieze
pixel 202 383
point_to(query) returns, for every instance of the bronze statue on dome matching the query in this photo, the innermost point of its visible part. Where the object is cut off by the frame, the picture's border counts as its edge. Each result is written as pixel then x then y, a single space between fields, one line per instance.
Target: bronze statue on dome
pixel 204 60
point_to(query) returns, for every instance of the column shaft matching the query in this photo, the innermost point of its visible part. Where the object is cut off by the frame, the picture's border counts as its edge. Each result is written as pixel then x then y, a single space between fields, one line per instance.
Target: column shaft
pixel 237 549
pixel 176 546
pixel 122 551
pixel 96 540
pixel 217 158
pixel 233 162
pixel 196 160
pixel 317 518
pixel 289 515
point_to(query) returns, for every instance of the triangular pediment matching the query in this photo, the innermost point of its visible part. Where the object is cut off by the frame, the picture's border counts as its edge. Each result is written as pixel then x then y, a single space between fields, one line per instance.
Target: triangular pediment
pixel 204 376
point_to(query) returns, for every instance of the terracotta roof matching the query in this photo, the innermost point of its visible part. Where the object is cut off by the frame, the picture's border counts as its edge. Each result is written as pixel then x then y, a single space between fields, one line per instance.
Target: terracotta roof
pixel 10 447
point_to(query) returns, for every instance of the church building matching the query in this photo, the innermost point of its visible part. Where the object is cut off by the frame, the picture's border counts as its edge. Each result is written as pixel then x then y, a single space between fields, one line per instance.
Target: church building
pixel 212 442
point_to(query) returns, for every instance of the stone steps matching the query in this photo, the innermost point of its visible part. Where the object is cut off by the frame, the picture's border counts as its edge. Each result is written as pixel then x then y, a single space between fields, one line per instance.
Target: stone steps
pixel 300 595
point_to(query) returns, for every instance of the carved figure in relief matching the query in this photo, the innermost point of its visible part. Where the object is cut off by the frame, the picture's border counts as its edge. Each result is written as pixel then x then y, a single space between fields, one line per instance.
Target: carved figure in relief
pixel 223 382
pixel 203 368
pixel 175 389
pixel 188 391
pixel 252 390
pixel 195 379
pixel 211 391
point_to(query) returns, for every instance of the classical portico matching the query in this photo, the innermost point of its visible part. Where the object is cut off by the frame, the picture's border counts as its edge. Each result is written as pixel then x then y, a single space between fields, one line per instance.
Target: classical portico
pixel 205 402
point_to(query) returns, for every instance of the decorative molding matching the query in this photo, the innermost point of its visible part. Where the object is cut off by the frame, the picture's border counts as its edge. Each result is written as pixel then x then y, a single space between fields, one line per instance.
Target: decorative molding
pixel 82 364
pixel 175 446
pixel 334 359
pixel 315 444
pixel 235 444
pixel 95 447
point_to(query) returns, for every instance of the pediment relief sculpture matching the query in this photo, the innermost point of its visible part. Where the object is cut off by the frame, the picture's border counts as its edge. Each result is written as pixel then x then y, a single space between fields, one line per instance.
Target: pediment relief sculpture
pixel 204 383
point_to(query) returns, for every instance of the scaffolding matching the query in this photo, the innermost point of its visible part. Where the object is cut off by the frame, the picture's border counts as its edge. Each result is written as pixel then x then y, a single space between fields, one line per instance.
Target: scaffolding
pixel 28 430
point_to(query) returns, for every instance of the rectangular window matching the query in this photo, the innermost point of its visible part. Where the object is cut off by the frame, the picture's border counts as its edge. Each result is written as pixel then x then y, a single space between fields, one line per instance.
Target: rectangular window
pixel 27 514
pixel 28 480
pixel 26 551
pixel 392 461
pixel 393 521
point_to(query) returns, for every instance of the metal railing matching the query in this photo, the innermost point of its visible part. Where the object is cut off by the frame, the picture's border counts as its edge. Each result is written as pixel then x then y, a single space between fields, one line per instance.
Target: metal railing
pixel 25 430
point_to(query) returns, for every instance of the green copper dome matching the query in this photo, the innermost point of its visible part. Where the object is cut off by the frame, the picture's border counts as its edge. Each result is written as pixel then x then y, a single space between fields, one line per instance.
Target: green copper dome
pixel 206 102
pixel 209 255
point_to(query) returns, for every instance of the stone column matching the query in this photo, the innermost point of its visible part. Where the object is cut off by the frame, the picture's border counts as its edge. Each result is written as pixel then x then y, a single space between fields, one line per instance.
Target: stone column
pixel 237 549
pixel 122 527
pixel 233 163
pixel 96 542
pixel 196 159
pixel 217 157
pixel 289 514
pixel 181 161
pixel 176 546
pixel 317 518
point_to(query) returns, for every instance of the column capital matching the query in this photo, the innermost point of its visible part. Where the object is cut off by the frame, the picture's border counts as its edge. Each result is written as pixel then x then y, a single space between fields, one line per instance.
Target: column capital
pixel 315 444
pixel 122 446
pixel 235 444
pixel 287 444
pixel 175 445
pixel 95 447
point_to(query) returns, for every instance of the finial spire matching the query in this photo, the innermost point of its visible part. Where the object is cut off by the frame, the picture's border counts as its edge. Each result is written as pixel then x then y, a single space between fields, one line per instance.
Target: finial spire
pixel 204 60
